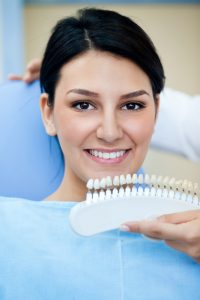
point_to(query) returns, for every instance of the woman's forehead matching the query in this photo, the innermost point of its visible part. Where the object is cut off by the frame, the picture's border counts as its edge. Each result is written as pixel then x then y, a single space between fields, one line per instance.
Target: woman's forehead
pixel 102 70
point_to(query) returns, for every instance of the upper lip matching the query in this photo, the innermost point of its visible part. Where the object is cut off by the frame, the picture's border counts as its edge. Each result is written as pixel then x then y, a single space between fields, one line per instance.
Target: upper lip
pixel 107 150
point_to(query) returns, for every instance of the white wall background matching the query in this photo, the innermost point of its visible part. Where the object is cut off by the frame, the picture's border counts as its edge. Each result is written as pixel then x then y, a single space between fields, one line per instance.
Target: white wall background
pixel 175 30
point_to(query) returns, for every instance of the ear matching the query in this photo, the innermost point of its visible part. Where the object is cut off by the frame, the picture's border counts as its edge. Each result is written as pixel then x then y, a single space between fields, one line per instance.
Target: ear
pixel 47 115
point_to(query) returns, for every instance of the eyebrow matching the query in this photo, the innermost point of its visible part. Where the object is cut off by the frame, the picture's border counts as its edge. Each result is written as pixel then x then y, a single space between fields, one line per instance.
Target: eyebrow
pixel 93 94
pixel 83 92
pixel 134 94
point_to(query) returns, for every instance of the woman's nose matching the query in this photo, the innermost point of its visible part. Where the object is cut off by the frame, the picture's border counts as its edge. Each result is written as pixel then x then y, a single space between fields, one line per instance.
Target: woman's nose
pixel 109 129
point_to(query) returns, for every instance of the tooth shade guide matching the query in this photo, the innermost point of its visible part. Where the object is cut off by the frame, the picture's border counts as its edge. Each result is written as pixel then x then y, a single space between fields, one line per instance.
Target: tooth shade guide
pixel 157 185
pixel 98 216
pixel 144 190
pixel 109 204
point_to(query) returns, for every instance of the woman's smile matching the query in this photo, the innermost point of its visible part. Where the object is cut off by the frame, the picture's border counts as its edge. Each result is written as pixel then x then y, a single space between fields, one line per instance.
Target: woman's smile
pixel 107 156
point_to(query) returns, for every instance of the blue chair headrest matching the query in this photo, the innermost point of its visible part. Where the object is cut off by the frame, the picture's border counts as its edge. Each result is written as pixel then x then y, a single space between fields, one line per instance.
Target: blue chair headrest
pixel 31 162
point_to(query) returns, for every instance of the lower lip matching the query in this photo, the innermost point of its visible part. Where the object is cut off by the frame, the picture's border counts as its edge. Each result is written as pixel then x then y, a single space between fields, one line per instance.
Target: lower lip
pixel 107 161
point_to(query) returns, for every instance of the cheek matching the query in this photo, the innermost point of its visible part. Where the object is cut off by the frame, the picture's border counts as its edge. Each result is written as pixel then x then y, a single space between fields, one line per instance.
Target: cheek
pixel 141 129
pixel 74 130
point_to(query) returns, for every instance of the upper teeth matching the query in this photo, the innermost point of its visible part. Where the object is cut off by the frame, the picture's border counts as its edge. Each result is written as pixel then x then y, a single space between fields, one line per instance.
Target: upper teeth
pixel 107 155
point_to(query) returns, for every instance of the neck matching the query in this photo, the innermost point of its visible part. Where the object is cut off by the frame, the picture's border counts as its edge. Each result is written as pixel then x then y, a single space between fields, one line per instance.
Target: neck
pixel 72 188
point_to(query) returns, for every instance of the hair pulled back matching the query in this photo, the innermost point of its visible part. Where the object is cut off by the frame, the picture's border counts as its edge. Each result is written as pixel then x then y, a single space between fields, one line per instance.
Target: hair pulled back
pixel 101 30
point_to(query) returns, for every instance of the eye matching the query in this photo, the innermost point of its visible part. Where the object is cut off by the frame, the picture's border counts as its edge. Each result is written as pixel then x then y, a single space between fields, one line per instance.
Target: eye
pixel 133 106
pixel 83 105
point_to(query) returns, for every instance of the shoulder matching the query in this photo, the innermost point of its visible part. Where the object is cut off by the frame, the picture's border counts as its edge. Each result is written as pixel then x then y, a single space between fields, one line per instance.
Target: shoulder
pixel 11 208
pixel 18 209
pixel 12 201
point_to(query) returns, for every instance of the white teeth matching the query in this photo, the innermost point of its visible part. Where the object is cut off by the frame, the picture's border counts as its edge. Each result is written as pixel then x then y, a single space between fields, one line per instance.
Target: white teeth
pixel 95 197
pixel 107 155
pixel 126 186
pixel 90 184
pixel 108 194
pixel 89 197
pixel 102 195
pixel 135 178
pixel 96 184
pixel 115 192
pixel 140 178
pixel 122 179
pixel 116 181
pixel 113 155
pixel 100 154
pixel 108 181
pixel 128 179
pixel 172 182
pixel 159 181
pixel 95 153
pixel 121 192
pixel 127 191
pixel 103 183
pixel 147 179
pixel 153 179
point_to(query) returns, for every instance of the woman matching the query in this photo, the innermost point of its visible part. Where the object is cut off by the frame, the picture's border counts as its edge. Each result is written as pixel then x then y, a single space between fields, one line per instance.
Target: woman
pixel 101 78
pixel 184 233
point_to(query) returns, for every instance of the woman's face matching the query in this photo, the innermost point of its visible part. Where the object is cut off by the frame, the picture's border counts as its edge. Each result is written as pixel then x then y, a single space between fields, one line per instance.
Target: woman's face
pixel 104 115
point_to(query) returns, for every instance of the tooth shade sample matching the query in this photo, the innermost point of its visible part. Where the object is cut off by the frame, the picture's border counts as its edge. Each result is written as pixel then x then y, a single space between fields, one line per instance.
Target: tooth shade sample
pixel 140 179
pixel 122 179
pixel 96 184
pixel 90 184
pixel 128 179
pixel 116 181
pixel 108 181
pixel 134 179
pixel 103 183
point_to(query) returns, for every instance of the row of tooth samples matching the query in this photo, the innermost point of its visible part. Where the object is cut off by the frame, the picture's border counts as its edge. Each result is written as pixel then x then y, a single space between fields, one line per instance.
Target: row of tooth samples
pixel 107 187
pixel 116 181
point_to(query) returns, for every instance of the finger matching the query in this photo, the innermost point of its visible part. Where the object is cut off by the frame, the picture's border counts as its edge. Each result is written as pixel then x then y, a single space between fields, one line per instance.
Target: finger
pixel 14 77
pixel 182 217
pixel 34 65
pixel 156 229
pixel 30 77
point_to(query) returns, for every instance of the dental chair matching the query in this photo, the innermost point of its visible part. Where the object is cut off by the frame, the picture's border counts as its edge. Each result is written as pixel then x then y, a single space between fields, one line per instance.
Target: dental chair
pixel 31 162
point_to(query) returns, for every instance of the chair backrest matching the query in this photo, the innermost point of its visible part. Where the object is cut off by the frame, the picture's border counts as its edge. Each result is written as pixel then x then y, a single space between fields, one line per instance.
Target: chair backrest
pixel 31 163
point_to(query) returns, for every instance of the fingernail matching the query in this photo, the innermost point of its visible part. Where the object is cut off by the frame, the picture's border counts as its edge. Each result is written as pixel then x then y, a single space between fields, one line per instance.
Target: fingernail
pixel 124 227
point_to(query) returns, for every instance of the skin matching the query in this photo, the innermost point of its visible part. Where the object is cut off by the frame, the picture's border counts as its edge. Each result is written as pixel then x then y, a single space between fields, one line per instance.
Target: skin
pixel 32 72
pixel 120 115
pixel 180 231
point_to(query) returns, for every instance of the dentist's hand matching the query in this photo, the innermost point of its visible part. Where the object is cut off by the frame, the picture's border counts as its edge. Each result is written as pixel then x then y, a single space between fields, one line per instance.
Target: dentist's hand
pixel 32 72
pixel 180 231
